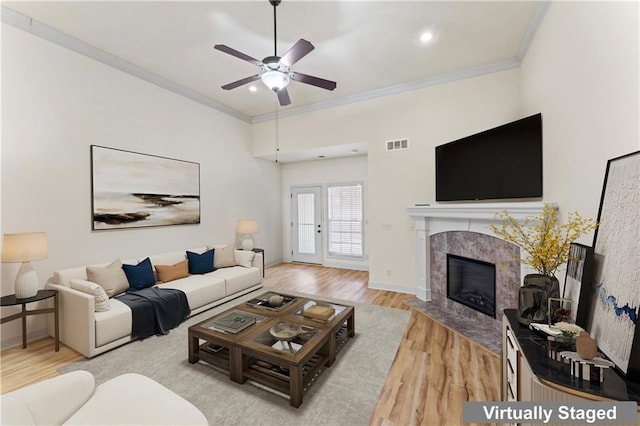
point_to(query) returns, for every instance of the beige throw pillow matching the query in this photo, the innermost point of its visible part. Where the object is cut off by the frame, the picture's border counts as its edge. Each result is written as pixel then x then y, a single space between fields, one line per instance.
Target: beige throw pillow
pixel 244 258
pixel 102 303
pixel 169 273
pixel 111 278
pixel 223 256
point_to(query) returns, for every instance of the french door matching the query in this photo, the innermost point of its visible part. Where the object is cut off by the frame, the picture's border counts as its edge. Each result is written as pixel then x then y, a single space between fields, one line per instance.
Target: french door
pixel 306 224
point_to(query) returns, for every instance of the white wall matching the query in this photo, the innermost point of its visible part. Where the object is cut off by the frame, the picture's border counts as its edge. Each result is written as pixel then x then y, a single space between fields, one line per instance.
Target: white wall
pixel 56 103
pixel 323 172
pixel 428 117
pixel 581 72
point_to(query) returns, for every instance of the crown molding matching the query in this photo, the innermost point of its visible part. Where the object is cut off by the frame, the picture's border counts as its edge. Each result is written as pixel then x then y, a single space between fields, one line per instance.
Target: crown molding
pixel 39 29
pixel 48 33
pixel 393 90
pixel 541 12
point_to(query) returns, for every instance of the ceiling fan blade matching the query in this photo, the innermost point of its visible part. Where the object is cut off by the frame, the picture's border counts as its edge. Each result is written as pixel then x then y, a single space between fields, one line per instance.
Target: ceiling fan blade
pixel 239 55
pixel 241 82
pixel 297 52
pixel 314 81
pixel 283 97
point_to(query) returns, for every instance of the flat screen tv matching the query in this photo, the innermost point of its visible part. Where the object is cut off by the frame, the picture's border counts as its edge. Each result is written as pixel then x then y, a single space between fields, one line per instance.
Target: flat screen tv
pixel 500 163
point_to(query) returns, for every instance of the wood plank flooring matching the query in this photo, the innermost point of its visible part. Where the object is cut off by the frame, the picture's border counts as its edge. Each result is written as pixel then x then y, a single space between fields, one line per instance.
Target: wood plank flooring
pixel 435 369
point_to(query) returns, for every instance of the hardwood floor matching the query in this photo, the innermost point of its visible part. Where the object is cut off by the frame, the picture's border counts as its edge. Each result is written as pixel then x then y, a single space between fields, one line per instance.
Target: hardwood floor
pixel 435 369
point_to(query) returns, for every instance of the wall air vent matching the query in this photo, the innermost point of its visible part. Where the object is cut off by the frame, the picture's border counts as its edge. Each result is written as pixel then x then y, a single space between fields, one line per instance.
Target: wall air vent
pixel 397 145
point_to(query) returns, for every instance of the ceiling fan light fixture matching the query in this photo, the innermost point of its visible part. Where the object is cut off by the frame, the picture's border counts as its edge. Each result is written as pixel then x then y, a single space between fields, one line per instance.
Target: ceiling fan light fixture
pixel 275 80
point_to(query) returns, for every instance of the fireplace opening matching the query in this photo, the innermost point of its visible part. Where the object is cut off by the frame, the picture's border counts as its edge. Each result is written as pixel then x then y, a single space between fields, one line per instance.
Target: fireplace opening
pixel 473 283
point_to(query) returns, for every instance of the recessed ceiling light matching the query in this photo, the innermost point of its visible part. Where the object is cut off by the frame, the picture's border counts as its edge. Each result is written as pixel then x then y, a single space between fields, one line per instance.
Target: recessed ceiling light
pixel 354 151
pixel 321 156
pixel 253 88
pixel 426 37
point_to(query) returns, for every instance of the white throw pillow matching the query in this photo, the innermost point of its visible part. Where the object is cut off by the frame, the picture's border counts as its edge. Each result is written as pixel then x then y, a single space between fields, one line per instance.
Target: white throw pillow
pixel 101 299
pixel 244 258
pixel 223 256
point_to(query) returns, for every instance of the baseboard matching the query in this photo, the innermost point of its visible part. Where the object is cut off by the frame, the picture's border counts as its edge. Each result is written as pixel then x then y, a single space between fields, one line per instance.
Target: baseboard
pixel 345 265
pixel 397 288
pixel 16 341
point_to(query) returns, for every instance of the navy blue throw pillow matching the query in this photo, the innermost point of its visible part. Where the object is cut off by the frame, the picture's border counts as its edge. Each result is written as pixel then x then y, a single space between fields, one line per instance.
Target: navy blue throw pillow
pixel 201 263
pixel 140 276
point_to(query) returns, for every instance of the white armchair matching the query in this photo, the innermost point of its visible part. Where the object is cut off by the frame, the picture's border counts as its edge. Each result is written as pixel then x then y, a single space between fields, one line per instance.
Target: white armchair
pixel 74 399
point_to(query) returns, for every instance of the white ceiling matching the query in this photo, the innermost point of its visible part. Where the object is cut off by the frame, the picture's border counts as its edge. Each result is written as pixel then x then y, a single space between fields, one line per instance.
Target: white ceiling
pixel 370 48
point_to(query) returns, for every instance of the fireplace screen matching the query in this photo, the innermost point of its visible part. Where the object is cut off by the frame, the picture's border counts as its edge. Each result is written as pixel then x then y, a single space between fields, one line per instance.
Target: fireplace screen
pixel 473 283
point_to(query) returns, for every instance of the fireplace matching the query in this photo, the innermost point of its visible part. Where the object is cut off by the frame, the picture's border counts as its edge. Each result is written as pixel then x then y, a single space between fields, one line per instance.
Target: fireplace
pixel 473 283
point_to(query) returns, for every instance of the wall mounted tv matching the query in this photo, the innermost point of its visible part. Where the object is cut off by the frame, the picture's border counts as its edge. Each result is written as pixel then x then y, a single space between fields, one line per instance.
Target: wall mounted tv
pixel 500 163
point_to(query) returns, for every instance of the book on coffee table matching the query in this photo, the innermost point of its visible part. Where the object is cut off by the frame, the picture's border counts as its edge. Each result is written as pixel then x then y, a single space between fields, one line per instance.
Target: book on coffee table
pixel 318 312
pixel 233 322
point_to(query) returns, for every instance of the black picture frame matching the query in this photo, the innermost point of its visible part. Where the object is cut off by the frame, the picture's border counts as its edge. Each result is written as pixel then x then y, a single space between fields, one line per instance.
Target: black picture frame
pixel 578 281
pixel 134 190
pixel 616 297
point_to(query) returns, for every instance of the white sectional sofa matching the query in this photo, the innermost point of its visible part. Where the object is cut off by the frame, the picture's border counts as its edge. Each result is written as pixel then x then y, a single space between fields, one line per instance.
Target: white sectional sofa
pixel 92 333
pixel 74 399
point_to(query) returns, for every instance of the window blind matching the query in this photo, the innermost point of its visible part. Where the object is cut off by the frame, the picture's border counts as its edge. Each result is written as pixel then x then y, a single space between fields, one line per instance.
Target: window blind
pixel 344 220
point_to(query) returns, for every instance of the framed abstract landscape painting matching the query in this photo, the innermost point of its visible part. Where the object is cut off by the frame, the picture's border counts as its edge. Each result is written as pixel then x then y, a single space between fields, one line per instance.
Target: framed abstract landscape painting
pixel 616 301
pixel 131 190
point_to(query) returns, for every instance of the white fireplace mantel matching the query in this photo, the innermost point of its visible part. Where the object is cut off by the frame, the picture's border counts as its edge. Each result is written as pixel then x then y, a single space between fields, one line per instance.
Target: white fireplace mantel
pixel 432 219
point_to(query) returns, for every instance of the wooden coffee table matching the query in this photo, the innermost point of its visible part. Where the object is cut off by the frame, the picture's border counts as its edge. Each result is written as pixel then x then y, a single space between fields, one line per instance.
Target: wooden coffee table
pixel 254 354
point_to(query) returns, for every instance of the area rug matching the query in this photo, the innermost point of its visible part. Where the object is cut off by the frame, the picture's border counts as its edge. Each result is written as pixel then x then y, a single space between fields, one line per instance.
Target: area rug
pixel 346 393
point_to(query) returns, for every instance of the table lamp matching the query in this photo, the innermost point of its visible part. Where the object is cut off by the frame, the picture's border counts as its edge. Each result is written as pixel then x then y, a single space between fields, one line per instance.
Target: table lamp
pixel 25 248
pixel 247 227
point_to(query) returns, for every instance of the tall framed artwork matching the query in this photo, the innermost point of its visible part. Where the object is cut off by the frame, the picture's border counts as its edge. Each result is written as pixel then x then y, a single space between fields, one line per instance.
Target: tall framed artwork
pixel 132 190
pixel 578 281
pixel 616 301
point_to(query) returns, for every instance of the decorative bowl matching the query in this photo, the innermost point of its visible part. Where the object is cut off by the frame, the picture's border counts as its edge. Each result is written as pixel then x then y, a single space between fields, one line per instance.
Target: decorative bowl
pixel 285 331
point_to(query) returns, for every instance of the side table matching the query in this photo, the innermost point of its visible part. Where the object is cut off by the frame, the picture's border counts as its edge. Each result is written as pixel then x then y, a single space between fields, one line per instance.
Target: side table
pixel 12 300
pixel 259 250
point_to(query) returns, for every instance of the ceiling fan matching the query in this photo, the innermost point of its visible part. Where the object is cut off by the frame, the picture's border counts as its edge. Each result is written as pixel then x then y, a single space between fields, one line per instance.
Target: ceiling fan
pixel 276 71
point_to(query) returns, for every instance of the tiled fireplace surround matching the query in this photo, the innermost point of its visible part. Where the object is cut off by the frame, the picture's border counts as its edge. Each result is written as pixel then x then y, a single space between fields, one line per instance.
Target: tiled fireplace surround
pixel 463 229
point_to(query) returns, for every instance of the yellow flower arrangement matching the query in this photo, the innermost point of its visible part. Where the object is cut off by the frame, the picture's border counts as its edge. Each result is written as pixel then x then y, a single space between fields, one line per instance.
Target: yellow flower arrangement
pixel 546 242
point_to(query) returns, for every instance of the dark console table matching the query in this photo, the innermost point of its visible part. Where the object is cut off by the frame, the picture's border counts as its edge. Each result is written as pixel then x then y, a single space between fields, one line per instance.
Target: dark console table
pixel 527 356
pixel 12 300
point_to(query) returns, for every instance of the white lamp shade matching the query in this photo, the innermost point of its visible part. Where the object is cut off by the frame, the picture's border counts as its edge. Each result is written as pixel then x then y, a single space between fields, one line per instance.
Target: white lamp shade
pixel 247 226
pixel 24 247
pixel 275 80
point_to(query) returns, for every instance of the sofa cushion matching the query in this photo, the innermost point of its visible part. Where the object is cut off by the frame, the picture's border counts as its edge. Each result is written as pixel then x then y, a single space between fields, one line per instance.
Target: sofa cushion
pixel 50 402
pixel 113 324
pixel 200 289
pixel 101 299
pixel 141 275
pixel 172 272
pixel 200 263
pixel 238 278
pixel 136 399
pixel 112 278
pixel 223 257
pixel 169 258
pixel 244 257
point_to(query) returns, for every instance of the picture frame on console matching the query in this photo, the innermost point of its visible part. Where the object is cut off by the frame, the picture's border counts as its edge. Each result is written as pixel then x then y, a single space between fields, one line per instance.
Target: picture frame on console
pixel 616 294
pixel 578 281
pixel 133 190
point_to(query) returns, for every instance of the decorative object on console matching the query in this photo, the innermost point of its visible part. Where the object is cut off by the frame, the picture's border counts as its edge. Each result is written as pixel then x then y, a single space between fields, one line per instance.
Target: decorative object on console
pixel 247 227
pixel 586 346
pixel 591 370
pixel 131 190
pixel 24 248
pixel 578 280
pixel 547 245
pixel 559 310
pixel 615 302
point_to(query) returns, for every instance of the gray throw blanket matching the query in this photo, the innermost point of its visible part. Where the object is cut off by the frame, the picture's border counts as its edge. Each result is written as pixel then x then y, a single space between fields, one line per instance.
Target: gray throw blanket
pixel 155 310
